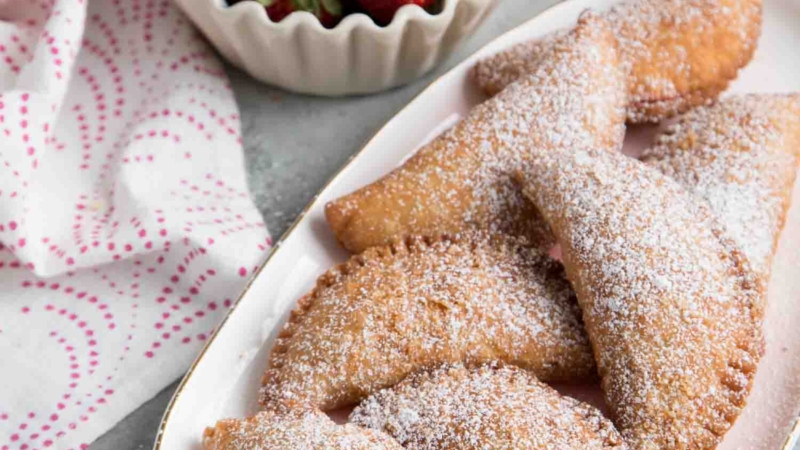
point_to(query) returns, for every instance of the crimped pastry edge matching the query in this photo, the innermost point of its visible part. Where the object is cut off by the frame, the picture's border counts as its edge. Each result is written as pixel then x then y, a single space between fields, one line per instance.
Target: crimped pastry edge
pixel 414 244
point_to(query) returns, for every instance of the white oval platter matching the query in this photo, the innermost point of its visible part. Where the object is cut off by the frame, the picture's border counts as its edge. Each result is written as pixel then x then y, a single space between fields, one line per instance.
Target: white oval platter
pixel 224 379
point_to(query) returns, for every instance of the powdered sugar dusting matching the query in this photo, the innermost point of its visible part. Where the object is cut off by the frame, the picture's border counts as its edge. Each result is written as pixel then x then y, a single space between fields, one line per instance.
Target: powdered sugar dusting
pixel 672 309
pixel 487 407
pixel 773 404
pixel 462 180
pixel 493 74
pixel 741 155
pixel 296 430
pixel 678 53
pixel 394 310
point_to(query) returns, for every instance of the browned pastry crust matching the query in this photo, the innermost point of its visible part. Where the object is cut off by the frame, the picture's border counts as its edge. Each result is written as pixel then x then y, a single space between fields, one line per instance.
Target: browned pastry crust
pixel 496 72
pixel 502 408
pixel 677 53
pixel 463 180
pixel 420 303
pixel 741 155
pixel 672 307
pixel 295 430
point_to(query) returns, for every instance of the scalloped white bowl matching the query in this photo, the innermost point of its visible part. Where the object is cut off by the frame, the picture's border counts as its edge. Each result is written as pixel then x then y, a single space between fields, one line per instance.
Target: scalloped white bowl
pixel 355 57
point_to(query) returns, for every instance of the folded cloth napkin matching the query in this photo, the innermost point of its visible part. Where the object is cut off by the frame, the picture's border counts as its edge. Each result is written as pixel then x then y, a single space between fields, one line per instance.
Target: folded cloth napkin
pixel 126 228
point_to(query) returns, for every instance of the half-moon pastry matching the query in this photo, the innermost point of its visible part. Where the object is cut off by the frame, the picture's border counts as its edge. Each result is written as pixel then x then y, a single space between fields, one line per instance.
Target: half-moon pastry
pixel 502 408
pixel 463 180
pixel 420 303
pixel 295 430
pixel 672 307
pixel 741 155
pixel 677 53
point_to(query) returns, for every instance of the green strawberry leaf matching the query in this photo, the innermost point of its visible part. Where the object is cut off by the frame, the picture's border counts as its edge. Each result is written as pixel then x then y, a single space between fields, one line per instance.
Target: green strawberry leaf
pixel 312 6
pixel 266 3
pixel 334 7
pixel 304 5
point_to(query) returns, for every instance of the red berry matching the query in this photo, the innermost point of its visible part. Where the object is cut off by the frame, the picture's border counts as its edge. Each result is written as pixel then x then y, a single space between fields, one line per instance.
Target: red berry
pixel 382 11
pixel 329 12
pixel 279 10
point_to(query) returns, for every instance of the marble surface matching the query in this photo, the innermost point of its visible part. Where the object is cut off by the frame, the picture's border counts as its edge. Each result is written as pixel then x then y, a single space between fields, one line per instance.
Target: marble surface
pixel 294 144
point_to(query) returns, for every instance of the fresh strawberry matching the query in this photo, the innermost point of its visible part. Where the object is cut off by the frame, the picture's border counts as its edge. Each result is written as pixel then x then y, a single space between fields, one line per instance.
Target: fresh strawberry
pixel 329 12
pixel 382 11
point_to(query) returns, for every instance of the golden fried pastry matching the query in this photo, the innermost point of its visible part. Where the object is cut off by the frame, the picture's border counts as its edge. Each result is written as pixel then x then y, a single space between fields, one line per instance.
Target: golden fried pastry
pixel 462 180
pixel 394 310
pixel 502 408
pixel 672 307
pixel 741 155
pixel 295 430
pixel 677 53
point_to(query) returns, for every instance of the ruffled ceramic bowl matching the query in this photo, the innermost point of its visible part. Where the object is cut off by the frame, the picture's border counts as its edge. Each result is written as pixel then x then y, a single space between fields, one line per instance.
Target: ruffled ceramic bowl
pixel 355 57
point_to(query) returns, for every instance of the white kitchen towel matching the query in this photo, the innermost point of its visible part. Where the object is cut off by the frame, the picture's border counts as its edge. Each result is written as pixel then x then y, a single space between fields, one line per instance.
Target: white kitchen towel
pixel 126 228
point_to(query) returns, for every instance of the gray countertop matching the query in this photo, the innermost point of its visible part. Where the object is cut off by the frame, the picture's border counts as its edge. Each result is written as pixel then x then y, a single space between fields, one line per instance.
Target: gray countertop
pixel 293 145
